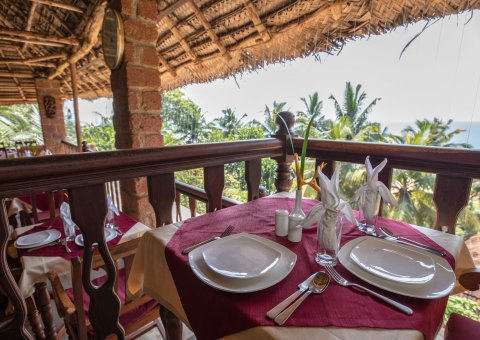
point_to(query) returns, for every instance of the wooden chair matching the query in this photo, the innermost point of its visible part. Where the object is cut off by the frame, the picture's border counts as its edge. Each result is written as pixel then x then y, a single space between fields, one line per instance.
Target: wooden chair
pixel 458 326
pixel 136 316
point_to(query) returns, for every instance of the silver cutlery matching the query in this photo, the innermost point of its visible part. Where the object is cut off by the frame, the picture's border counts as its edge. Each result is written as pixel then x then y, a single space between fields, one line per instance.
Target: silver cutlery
pixel 389 235
pixel 119 232
pixel 316 286
pixel 45 245
pixel 65 245
pixel 226 232
pixel 344 282
pixel 302 287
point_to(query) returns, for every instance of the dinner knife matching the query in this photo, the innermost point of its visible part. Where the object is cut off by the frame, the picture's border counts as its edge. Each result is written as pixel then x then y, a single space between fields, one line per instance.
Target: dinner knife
pixel 302 287
pixel 426 248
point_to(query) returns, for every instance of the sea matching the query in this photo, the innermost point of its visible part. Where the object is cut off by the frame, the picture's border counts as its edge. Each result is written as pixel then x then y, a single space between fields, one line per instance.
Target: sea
pixel 471 134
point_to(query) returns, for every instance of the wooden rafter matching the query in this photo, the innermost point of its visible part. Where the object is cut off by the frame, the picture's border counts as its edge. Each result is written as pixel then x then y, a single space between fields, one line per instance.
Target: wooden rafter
pixel 59 5
pixel 16 75
pixel 208 28
pixel 19 87
pixel 38 37
pixel 257 22
pixel 31 15
pixel 183 43
pixel 170 9
pixel 90 36
pixel 167 65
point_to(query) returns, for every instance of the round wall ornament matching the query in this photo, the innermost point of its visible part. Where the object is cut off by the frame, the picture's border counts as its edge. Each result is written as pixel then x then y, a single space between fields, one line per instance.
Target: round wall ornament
pixel 113 38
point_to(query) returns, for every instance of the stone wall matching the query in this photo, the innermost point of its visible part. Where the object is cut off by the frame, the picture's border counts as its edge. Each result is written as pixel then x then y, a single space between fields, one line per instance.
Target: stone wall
pixel 137 100
pixel 53 128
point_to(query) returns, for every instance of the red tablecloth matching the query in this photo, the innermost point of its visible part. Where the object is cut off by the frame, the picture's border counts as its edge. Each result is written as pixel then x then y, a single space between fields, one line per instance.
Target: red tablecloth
pixel 213 313
pixel 124 223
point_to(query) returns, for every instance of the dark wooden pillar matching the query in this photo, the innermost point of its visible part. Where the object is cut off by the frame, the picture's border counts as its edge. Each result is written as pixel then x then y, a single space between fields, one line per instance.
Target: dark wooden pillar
pixel 284 178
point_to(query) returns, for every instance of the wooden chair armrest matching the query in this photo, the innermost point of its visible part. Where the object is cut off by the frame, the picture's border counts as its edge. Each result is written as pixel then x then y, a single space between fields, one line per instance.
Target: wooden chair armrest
pixel 62 300
pixel 470 279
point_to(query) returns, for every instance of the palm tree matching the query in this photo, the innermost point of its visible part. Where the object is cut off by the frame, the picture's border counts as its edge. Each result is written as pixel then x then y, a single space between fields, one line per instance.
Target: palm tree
pixel 313 106
pixel 229 124
pixel 270 115
pixel 352 108
pixel 20 122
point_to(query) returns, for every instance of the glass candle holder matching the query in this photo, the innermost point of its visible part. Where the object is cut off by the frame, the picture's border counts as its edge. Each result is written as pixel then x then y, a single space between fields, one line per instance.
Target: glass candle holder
pixel 329 234
pixel 369 209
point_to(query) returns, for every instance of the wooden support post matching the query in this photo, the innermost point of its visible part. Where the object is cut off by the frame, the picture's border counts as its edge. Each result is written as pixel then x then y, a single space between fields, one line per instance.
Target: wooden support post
pixel 284 179
pixel 42 299
pixel 78 129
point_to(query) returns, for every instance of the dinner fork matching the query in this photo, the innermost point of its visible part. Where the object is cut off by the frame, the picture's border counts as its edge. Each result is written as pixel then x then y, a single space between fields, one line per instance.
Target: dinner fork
pixel 344 282
pixel 226 232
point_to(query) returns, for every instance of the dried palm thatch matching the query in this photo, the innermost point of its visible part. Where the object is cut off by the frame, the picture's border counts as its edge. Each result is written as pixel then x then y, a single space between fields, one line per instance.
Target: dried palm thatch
pixel 198 40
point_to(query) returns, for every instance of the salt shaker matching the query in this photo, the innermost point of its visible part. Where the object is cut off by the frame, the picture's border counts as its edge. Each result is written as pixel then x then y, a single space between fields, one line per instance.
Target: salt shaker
pixel 281 222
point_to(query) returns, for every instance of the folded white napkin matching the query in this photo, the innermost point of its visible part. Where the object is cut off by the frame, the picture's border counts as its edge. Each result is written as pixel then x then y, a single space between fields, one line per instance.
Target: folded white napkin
pixel 329 207
pixel 67 218
pixel 112 209
pixel 371 188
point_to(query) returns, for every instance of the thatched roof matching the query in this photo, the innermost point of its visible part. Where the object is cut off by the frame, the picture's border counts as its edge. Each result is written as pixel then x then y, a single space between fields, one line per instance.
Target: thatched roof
pixel 198 40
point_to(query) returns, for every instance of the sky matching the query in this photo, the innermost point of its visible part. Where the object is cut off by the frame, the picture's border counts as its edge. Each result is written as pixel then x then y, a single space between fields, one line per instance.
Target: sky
pixel 437 76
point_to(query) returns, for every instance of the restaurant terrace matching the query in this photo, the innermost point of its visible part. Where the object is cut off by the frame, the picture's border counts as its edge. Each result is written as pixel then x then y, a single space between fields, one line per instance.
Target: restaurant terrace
pixel 133 50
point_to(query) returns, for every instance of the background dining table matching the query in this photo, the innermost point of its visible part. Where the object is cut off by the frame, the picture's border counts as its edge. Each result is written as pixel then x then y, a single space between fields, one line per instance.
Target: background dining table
pixel 151 274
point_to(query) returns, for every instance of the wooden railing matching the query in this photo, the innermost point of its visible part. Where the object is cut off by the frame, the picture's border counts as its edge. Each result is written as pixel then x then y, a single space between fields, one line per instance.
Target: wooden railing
pixel 454 168
pixel 85 175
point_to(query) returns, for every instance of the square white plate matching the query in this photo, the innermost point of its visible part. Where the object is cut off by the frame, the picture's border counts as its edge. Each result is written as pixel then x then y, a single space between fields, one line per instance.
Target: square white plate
pixel 440 285
pixel 393 261
pixel 276 274
pixel 240 256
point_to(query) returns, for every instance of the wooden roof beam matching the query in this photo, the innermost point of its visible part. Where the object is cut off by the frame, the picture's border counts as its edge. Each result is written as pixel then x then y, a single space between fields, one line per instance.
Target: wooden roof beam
pixel 90 38
pixel 23 62
pixel 61 5
pixel 165 63
pixel 31 15
pixel 257 22
pixel 183 43
pixel 208 28
pixel 170 9
pixel 38 36
pixel 16 75
pixel 17 83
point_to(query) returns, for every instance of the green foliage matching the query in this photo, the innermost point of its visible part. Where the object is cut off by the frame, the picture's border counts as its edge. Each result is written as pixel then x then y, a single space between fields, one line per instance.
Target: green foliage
pixel 102 136
pixel 463 306
pixel 19 123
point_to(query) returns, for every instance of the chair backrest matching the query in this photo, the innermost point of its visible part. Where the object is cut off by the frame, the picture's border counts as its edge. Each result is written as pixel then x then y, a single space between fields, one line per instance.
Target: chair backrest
pixel 123 251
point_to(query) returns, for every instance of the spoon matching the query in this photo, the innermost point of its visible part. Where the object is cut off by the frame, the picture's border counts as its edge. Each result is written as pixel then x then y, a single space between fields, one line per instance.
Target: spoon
pixel 390 234
pixel 318 284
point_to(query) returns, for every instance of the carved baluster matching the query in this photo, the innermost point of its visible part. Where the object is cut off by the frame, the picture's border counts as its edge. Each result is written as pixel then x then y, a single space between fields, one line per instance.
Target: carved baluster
pixel 178 204
pixel 89 209
pixel 34 318
pixel 15 329
pixel 451 195
pixel 214 180
pixel 253 171
pixel 192 204
pixel 161 194
pixel 172 324
pixel 42 299
pixel 51 204
pixel 284 178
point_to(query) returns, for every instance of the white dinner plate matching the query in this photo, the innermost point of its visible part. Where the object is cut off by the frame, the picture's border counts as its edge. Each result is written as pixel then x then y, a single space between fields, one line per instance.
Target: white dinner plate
pixel 440 285
pixel 277 273
pixel 392 261
pixel 240 256
pixel 37 239
pixel 110 234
